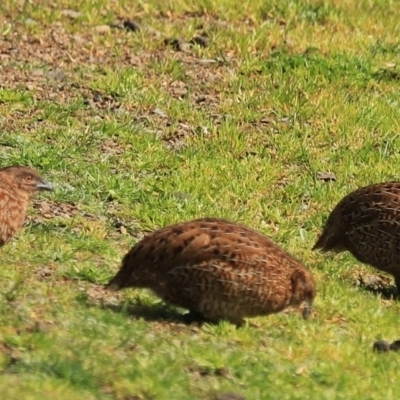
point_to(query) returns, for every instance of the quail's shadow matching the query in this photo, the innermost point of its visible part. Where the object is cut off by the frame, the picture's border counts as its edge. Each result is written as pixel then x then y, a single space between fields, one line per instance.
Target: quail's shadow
pixel 387 293
pixel 378 285
pixel 156 313
pixel 97 297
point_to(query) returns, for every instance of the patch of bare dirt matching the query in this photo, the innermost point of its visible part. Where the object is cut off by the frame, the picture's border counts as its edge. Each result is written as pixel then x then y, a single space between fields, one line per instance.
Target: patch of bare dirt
pixel 199 371
pixel 230 396
pixel 98 296
pixel 53 64
pixel 376 283
pixel 110 146
pixel 47 209
pixel 45 272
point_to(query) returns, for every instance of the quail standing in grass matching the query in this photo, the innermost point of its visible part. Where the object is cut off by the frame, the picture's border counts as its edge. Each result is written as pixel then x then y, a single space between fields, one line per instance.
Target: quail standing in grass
pixel 367 224
pixel 217 270
pixel 17 186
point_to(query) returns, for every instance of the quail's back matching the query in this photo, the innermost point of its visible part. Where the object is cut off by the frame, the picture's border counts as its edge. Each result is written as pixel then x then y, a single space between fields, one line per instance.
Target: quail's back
pixel 366 223
pixel 17 186
pixel 216 268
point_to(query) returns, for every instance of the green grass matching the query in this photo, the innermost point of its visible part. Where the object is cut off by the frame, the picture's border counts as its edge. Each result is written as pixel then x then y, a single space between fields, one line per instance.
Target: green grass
pixel 136 134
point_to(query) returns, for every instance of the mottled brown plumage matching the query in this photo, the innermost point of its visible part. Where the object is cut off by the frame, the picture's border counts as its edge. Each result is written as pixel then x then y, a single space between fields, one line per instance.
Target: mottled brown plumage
pixel 17 186
pixel 218 270
pixel 366 223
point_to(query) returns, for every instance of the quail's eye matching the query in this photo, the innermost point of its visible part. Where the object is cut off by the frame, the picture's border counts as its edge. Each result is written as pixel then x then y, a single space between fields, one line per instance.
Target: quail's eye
pixel 28 178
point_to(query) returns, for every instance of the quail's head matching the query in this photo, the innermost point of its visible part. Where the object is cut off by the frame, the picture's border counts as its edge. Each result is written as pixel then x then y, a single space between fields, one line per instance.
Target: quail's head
pixel 25 180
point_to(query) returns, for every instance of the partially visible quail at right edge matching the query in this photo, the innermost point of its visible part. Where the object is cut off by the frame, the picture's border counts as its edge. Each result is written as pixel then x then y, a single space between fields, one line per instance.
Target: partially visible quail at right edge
pixel 366 223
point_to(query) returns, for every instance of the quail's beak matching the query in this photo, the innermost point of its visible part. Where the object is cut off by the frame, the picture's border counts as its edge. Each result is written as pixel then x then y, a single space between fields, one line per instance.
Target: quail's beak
pixel 45 186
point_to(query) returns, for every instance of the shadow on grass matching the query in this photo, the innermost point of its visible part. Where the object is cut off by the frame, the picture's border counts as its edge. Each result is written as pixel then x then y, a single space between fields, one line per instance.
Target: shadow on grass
pixel 155 313
pixel 97 296
pixel 388 293
pixel 378 285
pixel 148 312
pixel 164 313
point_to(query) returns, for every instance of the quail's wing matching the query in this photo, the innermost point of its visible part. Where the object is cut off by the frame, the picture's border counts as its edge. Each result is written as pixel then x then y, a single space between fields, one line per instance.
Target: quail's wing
pixel 369 203
pixel 377 242
pixel 231 257
pixel 361 207
pixel 200 242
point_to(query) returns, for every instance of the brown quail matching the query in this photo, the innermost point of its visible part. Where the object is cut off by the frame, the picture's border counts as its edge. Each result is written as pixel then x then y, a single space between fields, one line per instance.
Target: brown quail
pixel 17 186
pixel 366 223
pixel 217 270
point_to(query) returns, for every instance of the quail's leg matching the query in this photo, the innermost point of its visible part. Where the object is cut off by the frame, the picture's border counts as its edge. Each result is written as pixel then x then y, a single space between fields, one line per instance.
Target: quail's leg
pixel 307 310
pixel 240 323
pixel 194 317
pixel 197 317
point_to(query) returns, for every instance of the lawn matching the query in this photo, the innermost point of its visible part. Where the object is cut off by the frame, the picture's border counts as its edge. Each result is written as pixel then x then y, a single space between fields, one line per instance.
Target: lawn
pixel 279 110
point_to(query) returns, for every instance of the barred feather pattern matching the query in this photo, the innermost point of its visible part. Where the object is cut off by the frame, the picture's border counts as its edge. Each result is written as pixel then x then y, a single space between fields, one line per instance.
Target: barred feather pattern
pixel 366 223
pixel 220 269
pixel 18 185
